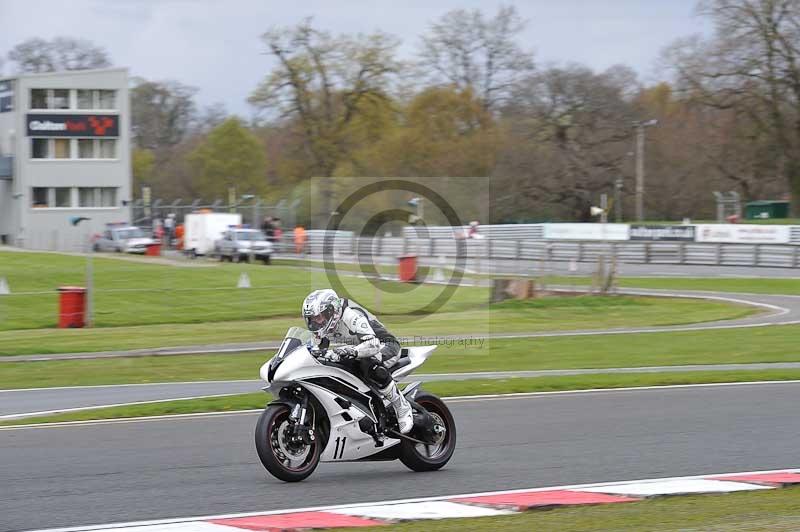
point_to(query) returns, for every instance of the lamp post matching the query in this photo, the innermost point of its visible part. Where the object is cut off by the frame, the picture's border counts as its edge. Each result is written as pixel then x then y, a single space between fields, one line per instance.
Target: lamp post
pixel 618 199
pixel 640 127
pixel 75 220
pixel 419 208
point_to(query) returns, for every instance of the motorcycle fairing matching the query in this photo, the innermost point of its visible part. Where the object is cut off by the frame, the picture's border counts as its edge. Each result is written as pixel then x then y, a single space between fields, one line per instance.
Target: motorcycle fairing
pixel 346 441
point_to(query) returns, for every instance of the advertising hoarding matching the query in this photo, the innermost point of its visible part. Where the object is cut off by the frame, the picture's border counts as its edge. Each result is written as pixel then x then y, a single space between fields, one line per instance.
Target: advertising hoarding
pixel 683 233
pixel 573 231
pixel 743 233
pixel 71 125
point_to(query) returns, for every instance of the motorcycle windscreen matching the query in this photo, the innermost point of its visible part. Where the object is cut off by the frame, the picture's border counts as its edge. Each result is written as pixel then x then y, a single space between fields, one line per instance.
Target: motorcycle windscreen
pixel 295 338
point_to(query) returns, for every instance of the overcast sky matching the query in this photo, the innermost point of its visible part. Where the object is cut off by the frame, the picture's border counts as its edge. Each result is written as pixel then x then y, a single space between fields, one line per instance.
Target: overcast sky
pixel 215 45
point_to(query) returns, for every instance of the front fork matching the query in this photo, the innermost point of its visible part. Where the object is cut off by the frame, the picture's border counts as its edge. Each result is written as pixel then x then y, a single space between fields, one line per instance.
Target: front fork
pixel 301 418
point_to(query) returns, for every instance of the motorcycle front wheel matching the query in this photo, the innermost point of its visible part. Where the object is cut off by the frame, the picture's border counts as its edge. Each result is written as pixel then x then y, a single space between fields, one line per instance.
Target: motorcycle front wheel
pixel 419 457
pixel 284 458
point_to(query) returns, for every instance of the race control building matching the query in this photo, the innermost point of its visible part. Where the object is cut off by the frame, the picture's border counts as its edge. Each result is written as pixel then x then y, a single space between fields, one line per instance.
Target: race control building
pixel 64 152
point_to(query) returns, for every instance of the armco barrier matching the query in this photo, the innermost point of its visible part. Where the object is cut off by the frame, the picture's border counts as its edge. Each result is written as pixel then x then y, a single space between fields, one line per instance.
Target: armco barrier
pixel 635 252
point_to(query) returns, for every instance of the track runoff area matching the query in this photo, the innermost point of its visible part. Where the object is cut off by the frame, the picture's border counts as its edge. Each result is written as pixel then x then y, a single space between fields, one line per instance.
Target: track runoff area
pixel 473 505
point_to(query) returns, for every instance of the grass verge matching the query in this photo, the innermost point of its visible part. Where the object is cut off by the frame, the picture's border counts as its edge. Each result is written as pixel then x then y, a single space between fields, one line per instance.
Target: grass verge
pixel 546 314
pixel 141 293
pixel 758 510
pixel 749 345
pixel 443 389
pixel 774 286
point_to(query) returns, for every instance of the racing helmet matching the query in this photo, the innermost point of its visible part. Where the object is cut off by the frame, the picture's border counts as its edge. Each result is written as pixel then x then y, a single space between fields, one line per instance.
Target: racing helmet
pixel 322 310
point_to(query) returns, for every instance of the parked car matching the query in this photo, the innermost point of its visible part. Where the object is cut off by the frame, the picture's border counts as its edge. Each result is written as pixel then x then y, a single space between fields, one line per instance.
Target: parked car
pixel 123 238
pixel 242 244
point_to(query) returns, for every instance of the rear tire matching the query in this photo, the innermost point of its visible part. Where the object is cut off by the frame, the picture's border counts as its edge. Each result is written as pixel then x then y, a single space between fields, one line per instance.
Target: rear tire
pixel 416 459
pixel 268 445
pixel 267 260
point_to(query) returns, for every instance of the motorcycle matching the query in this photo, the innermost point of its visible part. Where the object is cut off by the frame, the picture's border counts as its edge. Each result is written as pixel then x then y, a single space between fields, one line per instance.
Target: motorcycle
pixel 323 411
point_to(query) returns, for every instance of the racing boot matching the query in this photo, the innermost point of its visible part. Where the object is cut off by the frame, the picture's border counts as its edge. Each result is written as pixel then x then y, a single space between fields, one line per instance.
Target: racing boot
pixel 402 409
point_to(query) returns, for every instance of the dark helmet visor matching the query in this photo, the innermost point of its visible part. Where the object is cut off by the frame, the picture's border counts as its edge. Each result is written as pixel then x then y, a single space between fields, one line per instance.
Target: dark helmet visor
pixel 319 321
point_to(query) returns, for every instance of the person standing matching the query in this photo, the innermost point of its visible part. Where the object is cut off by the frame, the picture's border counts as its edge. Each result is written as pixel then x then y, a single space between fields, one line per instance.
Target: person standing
pixel 299 240
pixel 169 229
pixel 277 233
pixel 268 228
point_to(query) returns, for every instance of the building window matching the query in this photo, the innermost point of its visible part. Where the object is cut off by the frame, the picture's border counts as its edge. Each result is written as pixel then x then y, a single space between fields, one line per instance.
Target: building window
pixel 106 99
pixel 63 197
pixel 108 197
pixel 38 98
pixel 61 149
pixel 85 99
pixel 60 99
pixel 108 149
pixel 39 197
pixel 85 148
pixel 39 148
pixel 86 197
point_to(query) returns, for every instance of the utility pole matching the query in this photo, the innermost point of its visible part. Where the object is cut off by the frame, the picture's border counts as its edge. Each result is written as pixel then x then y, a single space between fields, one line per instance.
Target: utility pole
pixel 618 200
pixel 640 165
pixel 75 220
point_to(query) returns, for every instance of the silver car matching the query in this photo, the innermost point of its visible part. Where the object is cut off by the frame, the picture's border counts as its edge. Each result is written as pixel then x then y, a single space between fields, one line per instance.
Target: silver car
pixel 241 244
pixel 123 239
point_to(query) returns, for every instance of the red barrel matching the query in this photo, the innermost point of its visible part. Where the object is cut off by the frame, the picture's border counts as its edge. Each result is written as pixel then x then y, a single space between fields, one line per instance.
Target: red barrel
pixel 407 268
pixel 71 307
pixel 153 250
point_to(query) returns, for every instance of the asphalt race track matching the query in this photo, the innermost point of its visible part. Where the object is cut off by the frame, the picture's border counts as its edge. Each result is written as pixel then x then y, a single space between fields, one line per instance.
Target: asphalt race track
pixel 122 471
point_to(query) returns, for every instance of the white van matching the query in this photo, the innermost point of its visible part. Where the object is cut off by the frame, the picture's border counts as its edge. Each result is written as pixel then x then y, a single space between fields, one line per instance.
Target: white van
pixel 203 229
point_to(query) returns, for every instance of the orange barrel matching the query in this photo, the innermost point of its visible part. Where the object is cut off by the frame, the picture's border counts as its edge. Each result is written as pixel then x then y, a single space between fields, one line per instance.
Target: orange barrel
pixel 71 307
pixel 407 268
pixel 153 250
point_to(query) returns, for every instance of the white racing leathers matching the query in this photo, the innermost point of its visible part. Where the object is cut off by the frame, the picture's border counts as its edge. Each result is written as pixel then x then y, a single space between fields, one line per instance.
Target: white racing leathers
pixel 377 350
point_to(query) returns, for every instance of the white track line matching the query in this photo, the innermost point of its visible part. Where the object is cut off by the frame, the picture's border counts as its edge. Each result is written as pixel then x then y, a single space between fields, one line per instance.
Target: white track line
pixel 143 384
pixel 8 417
pixel 405 501
pixel 454 399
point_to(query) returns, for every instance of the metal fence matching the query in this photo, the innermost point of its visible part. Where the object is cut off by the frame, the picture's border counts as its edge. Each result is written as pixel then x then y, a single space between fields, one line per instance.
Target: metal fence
pixel 253 211
pixel 690 253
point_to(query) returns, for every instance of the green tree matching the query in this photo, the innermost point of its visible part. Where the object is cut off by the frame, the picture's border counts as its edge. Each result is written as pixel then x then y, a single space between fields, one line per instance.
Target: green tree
pixel 322 85
pixel 445 132
pixel 231 155
pixel 142 162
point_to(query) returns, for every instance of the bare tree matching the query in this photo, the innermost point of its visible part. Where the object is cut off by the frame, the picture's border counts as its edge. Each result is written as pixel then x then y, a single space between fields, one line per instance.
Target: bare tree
pixel 572 129
pixel 61 53
pixel 750 67
pixel 161 112
pixel 468 50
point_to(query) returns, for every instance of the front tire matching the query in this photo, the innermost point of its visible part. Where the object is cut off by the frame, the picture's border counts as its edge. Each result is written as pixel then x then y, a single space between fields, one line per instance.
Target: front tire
pixel 418 457
pixel 285 461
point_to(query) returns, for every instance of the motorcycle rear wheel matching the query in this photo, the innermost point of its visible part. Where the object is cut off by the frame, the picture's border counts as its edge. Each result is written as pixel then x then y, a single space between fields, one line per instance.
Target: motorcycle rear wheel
pixel 419 457
pixel 276 452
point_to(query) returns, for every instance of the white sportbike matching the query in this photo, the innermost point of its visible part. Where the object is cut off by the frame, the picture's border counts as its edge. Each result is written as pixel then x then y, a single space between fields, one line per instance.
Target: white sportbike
pixel 324 412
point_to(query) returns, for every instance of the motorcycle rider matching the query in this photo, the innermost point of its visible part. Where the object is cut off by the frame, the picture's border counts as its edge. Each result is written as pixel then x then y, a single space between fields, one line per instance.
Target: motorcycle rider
pixel 344 321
